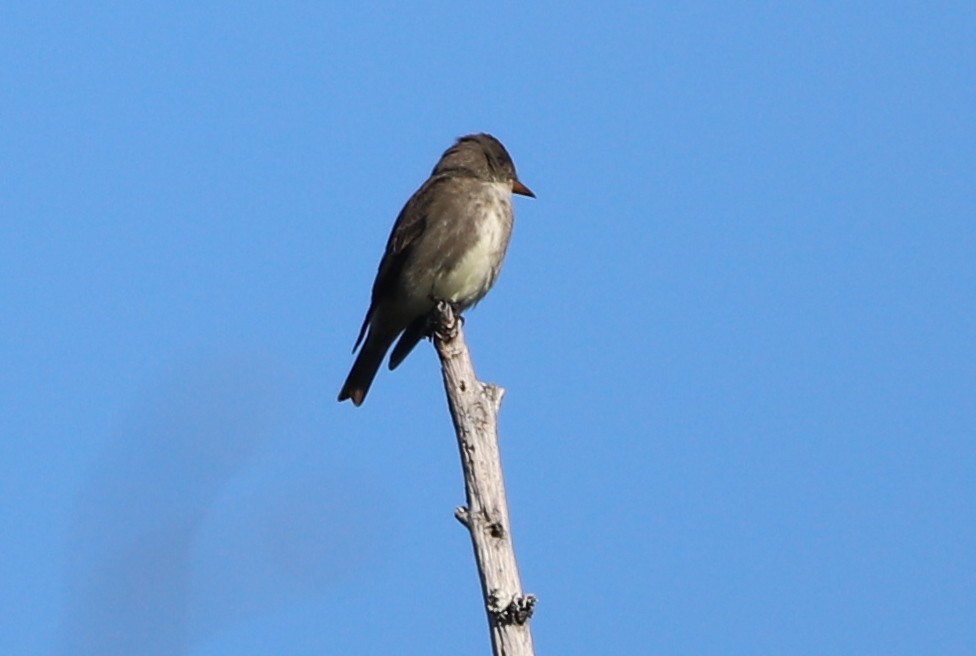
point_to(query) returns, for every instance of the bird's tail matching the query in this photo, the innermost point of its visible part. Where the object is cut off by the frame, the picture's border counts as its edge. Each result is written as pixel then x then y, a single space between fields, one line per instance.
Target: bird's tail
pixel 413 334
pixel 364 369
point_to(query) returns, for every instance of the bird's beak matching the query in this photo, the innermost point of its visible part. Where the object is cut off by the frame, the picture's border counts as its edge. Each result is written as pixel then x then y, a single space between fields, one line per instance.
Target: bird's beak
pixel 521 189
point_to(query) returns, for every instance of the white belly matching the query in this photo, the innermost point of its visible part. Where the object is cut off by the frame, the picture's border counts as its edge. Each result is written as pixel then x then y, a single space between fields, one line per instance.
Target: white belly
pixel 470 279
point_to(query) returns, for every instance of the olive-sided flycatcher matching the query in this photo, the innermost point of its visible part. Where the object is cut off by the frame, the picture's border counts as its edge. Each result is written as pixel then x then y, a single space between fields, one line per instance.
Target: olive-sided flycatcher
pixel 447 244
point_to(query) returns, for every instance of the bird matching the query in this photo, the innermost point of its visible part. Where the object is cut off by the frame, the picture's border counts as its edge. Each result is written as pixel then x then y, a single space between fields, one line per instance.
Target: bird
pixel 447 244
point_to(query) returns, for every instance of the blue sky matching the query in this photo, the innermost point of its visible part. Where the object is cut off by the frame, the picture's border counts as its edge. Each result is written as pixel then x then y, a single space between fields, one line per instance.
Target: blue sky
pixel 735 327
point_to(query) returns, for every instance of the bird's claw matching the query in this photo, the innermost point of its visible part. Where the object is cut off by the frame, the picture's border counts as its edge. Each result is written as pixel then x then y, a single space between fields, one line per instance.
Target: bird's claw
pixel 442 322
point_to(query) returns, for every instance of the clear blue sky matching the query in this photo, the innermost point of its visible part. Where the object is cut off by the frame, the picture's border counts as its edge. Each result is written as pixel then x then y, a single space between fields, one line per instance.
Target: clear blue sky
pixel 736 327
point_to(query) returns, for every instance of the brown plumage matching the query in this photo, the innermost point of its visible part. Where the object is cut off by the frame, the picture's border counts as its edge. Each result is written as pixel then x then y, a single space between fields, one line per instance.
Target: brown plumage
pixel 448 243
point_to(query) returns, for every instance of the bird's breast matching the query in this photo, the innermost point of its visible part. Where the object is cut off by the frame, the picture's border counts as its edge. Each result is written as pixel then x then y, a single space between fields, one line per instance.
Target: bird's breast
pixel 472 263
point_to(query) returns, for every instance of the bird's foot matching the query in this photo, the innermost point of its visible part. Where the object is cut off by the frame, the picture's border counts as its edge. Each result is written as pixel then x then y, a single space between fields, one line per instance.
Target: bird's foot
pixel 442 322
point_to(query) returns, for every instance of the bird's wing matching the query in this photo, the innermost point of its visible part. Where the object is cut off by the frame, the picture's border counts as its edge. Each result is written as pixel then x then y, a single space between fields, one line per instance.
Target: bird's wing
pixel 410 224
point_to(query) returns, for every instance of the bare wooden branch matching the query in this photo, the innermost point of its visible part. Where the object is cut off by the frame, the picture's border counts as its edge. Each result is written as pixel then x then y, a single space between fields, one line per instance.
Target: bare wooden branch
pixel 474 409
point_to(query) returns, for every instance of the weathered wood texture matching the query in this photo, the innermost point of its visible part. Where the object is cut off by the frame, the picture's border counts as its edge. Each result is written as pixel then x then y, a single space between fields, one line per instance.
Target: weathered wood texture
pixel 474 409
